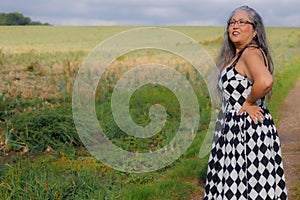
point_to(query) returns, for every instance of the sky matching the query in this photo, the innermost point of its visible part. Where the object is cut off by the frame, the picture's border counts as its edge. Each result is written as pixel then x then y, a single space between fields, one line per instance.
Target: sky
pixel 150 12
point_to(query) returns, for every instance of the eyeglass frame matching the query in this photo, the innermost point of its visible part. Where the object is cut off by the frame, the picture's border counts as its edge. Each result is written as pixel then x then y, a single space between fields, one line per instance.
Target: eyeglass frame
pixel 231 23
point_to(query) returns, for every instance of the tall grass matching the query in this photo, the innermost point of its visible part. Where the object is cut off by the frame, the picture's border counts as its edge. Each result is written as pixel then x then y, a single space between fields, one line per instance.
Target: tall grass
pixel 38 66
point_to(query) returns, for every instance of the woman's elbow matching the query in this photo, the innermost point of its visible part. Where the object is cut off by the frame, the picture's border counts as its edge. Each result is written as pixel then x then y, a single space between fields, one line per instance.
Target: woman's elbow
pixel 268 84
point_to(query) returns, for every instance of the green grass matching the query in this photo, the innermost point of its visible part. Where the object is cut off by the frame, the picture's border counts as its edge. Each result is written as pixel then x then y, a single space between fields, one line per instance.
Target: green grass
pixel 38 66
pixel 57 175
pixel 49 179
pixel 283 83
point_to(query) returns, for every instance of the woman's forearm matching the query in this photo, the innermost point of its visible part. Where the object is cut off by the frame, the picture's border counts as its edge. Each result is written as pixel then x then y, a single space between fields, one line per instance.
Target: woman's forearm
pixel 259 90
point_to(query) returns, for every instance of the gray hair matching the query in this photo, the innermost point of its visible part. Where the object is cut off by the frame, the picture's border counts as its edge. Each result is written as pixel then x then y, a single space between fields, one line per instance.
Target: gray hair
pixel 228 50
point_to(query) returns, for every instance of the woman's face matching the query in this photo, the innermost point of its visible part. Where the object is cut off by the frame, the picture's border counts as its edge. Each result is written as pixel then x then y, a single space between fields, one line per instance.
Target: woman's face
pixel 240 30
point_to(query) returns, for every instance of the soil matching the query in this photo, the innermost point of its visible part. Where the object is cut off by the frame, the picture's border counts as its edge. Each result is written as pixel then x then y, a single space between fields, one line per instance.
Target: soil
pixel 289 133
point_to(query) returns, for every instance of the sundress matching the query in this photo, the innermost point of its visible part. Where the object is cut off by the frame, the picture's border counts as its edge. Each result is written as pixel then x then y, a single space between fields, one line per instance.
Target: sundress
pixel 245 162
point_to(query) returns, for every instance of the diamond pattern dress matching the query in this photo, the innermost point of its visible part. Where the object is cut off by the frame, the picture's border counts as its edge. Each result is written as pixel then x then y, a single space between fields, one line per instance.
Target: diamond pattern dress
pixel 245 161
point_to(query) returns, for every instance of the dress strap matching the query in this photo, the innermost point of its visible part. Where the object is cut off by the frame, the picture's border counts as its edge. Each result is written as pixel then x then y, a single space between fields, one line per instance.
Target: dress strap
pixel 249 45
pixel 239 56
pixel 265 57
pixel 262 52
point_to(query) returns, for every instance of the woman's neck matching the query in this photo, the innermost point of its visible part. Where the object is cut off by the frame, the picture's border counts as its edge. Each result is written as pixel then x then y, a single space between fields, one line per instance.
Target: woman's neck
pixel 239 48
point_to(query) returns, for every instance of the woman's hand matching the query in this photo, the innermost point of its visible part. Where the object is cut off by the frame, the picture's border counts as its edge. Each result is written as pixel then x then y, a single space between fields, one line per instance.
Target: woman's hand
pixel 254 111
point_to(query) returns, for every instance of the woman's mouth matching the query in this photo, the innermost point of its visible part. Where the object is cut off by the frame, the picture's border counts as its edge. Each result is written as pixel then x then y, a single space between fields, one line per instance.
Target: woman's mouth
pixel 235 33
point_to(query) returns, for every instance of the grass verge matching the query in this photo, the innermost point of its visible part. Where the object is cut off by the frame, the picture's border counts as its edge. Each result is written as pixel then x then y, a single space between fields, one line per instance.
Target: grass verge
pixel 284 82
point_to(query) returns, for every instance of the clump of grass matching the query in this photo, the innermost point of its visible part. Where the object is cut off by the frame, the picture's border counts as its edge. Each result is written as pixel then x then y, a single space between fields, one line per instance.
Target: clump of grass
pixel 10 108
pixel 42 180
pixel 55 177
pixel 39 129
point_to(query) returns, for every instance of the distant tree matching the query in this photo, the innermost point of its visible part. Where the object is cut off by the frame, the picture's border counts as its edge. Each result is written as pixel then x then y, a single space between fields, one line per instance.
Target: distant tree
pixel 38 23
pixel 17 19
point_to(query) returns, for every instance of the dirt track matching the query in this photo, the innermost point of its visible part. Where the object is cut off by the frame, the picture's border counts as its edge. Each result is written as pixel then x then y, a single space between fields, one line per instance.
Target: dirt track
pixel 289 133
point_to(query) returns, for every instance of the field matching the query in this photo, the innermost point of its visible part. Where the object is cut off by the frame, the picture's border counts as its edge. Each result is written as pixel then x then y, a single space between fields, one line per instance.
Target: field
pixel 41 154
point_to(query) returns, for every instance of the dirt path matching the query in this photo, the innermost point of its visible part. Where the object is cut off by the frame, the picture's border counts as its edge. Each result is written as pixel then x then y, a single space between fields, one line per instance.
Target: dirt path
pixel 289 133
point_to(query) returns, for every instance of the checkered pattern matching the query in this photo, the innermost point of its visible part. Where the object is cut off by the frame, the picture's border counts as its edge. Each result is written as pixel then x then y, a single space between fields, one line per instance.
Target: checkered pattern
pixel 245 161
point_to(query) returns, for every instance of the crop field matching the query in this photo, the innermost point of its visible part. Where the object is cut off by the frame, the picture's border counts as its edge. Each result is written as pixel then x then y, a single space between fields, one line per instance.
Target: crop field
pixel 41 154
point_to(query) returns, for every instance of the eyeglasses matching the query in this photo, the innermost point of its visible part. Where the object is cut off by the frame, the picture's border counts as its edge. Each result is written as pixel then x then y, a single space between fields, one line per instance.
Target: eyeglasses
pixel 239 22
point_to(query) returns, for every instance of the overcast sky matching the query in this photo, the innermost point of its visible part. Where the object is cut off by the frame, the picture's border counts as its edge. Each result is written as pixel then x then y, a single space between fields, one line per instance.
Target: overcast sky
pixel 150 12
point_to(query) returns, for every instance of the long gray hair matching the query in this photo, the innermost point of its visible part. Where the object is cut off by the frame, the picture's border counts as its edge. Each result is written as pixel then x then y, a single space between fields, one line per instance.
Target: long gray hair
pixel 228 50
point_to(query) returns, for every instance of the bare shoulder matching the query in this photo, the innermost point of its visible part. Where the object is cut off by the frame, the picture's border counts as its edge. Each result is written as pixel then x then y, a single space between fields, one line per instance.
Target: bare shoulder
pixel 253 56
pixel 253 63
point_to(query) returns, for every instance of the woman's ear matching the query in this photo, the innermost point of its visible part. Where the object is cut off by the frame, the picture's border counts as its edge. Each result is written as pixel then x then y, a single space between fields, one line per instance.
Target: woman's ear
pixel 254 34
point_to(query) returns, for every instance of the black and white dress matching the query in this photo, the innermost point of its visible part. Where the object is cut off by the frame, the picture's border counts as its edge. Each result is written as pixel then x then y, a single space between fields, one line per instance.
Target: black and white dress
pixel 245 161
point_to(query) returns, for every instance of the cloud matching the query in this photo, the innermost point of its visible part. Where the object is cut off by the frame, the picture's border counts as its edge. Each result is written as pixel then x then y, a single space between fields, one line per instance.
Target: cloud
pixel 98 22
pixel 151 12
pixel 201 23
pixel 161 12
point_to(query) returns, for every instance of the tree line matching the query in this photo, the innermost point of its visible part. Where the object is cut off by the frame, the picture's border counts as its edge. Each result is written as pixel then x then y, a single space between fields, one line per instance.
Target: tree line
pixel 17 19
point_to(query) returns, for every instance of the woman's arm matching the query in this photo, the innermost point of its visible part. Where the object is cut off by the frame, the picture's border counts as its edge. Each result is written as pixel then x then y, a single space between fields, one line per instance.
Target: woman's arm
pixel 255 69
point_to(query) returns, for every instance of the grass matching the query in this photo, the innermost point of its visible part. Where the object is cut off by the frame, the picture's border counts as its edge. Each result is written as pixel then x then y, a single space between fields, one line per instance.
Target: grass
pixel 283 83
pixel 41 154
pixel 57 175
pixel 43 179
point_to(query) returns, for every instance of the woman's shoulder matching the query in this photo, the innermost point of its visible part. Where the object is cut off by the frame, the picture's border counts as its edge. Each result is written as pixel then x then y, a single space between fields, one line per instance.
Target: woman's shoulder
pixel 252 54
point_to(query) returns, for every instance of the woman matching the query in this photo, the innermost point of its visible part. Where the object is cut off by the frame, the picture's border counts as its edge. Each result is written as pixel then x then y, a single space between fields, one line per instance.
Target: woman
pixel 245 161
